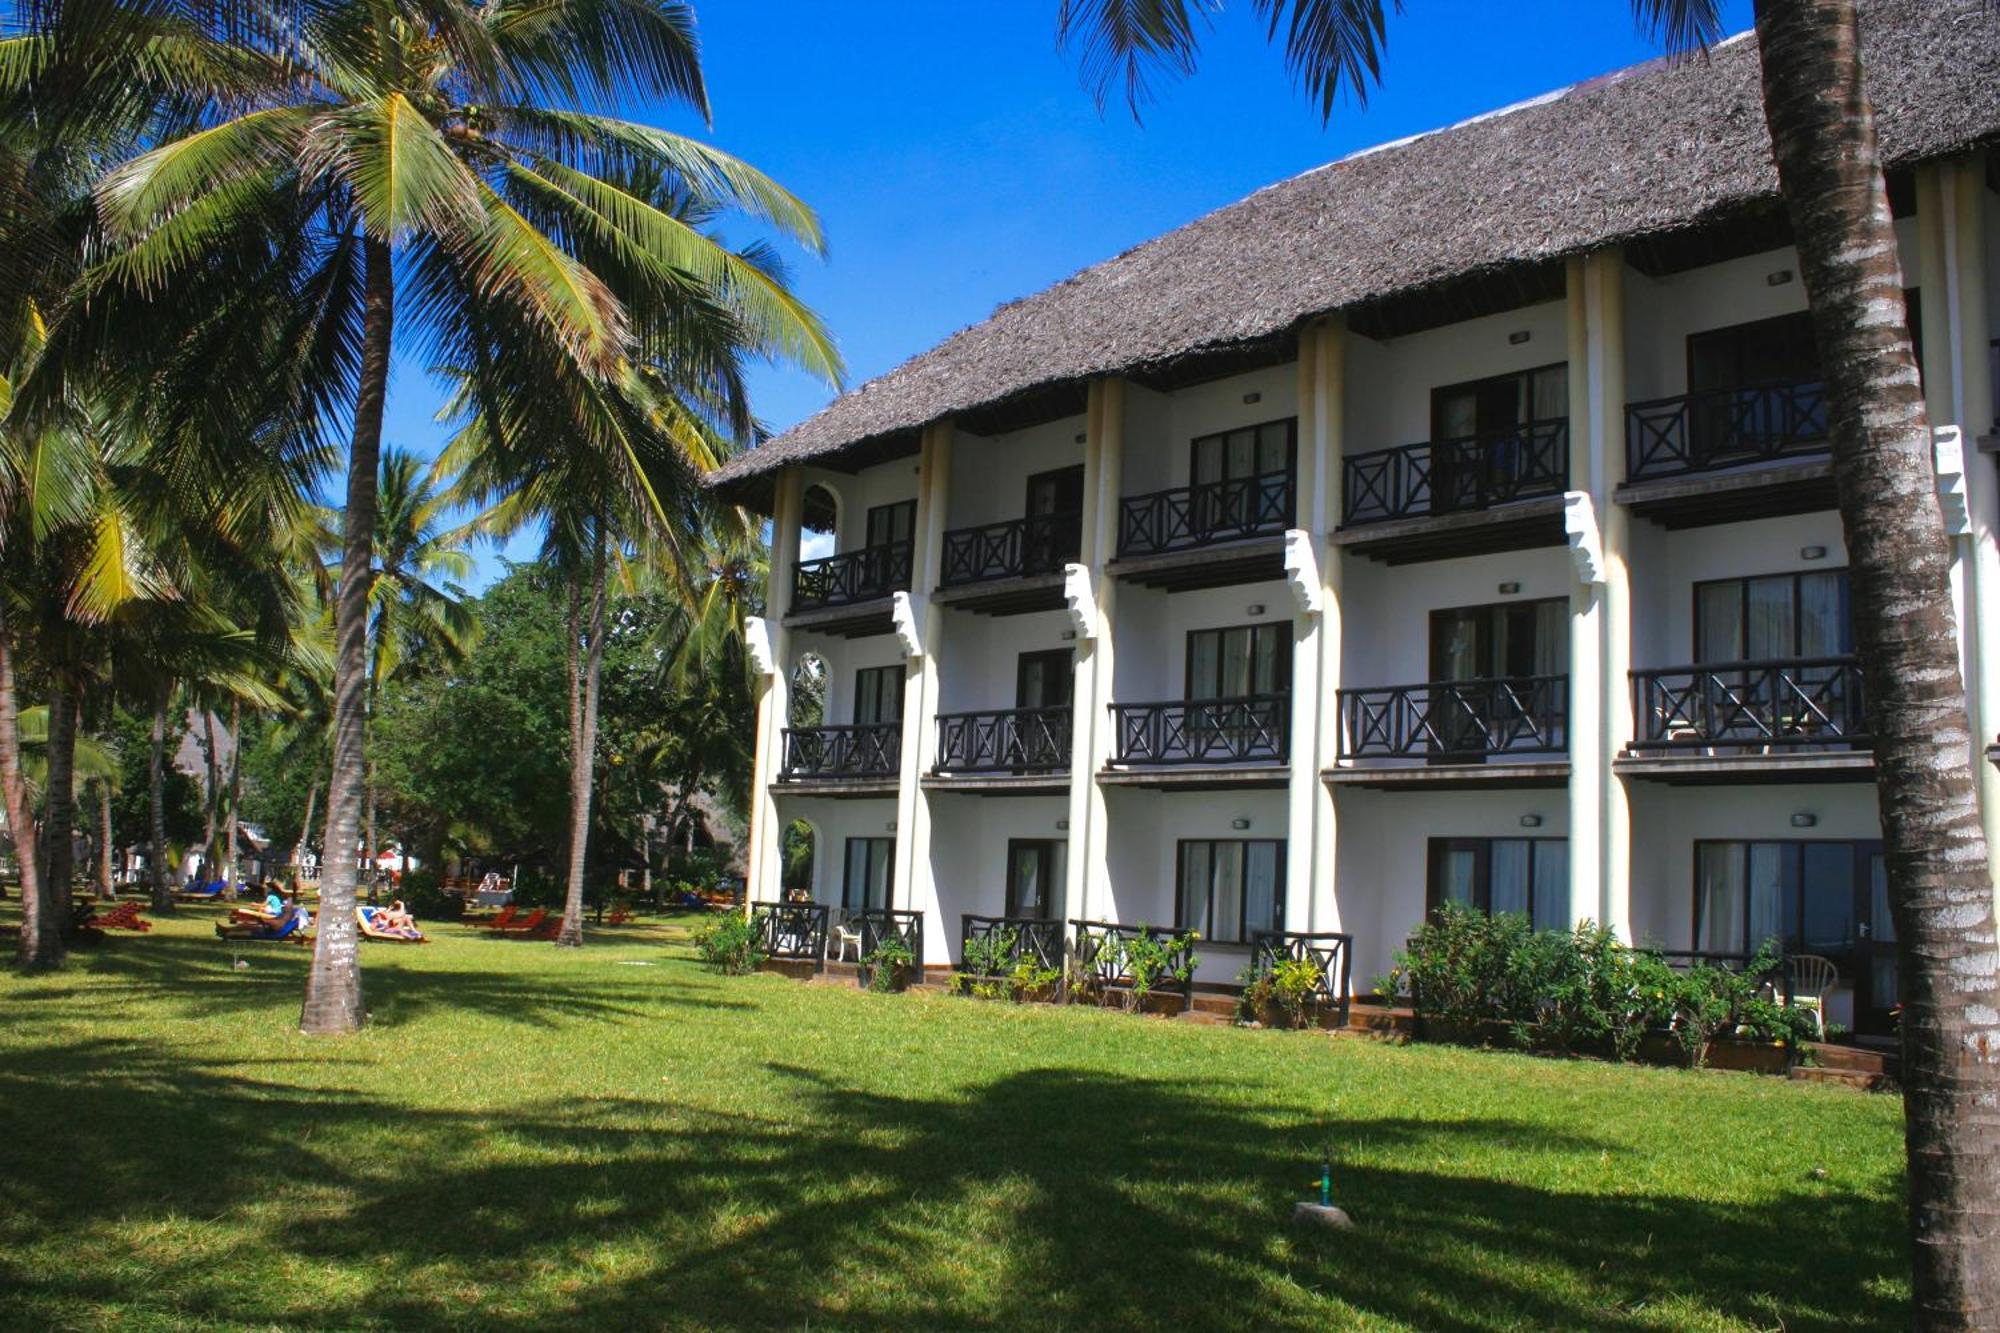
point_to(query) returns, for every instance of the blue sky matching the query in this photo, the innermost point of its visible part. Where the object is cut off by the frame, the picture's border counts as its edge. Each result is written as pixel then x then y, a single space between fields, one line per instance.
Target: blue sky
pixel 957 162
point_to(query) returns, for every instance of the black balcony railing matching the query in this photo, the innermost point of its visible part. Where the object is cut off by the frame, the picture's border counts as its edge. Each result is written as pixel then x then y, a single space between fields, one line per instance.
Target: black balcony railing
pixel 874 750
pixel 1794 702
pixel 1100 954
pixel 1330 952
pixel 1025 938
pixel 1451 476
pixel 1012 740
pixel 1037 544
pixel 1719 428
pixel 1204 731
pixel 852 576
pixel 1512 714
pixel 877 924
pixel 795 932
pixel 1201 515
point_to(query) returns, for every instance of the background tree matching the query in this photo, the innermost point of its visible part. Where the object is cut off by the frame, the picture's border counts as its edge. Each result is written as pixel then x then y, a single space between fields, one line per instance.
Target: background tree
pixel 1940 882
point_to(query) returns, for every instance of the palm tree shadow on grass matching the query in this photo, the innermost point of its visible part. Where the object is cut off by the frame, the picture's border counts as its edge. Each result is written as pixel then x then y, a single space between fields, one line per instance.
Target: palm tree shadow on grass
pixel 199 976
pixel 1072 1197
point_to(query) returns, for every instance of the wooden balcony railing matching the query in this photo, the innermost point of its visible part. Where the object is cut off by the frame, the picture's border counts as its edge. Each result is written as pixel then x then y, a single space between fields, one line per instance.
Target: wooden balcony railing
pixel 1037 544
pixel 1330 952
pixel 1504 715
pixel 1035 939
pixel 1204 731
pixel 1218 511
pixel 1787 702
pixel 877 924
pixel 795 932
pixel 1452 476
pixel 1099 949
pixel 852 576
pixel 1720 428
pixel 874 750
pixel 1010 740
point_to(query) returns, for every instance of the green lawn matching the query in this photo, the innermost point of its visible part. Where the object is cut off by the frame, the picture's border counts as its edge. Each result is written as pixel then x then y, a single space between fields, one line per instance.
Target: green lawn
pixel 612 1138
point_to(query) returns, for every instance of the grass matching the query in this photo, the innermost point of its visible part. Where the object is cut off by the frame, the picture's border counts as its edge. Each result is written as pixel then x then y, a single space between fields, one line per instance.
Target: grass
pixel 527 1137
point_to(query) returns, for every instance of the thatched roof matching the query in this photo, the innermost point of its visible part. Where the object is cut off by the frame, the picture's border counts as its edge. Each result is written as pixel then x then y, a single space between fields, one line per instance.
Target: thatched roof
pixel 1657 149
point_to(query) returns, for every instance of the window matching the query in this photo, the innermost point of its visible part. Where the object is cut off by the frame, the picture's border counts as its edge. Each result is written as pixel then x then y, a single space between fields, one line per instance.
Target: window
pixel 1251 451
pixel 1231 888
pixel 1239 661
pixel 1764 351
pixel 1501 640
pixel 1773 616
pixel 1499 403
pixel 1044 679
pixel 892 523
pixel 1804 895
pixel 1529 876
pixel 878 696
pixel 866 884
pixel 1035 868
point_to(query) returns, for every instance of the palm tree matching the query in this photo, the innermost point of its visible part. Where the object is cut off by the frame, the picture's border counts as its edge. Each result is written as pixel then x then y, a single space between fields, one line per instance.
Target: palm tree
pixel 415 596
pixel 1940 887
pixel 442 165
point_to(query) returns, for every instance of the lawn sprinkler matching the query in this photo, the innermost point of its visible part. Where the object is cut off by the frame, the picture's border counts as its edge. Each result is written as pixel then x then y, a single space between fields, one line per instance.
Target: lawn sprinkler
pixel 1323 1213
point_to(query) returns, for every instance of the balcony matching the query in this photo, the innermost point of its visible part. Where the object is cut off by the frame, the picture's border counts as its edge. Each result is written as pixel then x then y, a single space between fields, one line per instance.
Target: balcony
pixel 1207 535
pixel 1798 716
pixel 1331 954
pixel 1103 958
pixel 827 593
pixel 1689 460
pixel 1010 568
pixel 1498 491
pixel 1011 740
pixel 1194 743
pixel 869 755
pixel 791 932
pixel 1016 939
pixel 1454 723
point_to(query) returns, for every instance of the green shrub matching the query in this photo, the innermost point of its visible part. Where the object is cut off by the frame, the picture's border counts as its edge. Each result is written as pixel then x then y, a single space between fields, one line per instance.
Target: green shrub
pixel 1285 993
pixel 730 944
pixel 888 963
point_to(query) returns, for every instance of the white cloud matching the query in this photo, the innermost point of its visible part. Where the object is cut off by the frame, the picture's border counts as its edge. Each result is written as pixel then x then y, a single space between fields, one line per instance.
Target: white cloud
pixel 814 545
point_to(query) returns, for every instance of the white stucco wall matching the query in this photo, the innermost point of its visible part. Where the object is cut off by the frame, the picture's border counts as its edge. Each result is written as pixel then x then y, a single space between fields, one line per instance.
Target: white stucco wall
pixel 981 655
pixel 1390 381
pixel 1159 428
pixel 1151 663
pixel 1665 571
pixel 969 837
pixel 989 473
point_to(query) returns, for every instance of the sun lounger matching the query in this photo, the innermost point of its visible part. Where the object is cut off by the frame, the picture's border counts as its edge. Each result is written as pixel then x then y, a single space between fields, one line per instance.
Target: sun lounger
pixel 365 918
pixel 206 893
pixel 125 916
pixel 501 921
pixel 619 916
pixel 293 927
pixel 526 923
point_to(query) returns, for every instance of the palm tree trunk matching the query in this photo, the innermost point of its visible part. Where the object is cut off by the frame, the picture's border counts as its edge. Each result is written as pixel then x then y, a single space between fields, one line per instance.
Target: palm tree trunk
pixel 235 791
pixel 583 758
pixel 333 985
pixel 105 887
pixel 305 827
pixel 46 916
pixel 1940 886
pixel 14 791
pixel 212 797
pixel 156 792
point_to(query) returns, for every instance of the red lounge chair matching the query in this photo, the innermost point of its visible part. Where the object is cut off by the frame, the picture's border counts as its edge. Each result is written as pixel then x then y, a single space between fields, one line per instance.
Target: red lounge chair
pixel 619 916
pixel 125 916
pixel 500 922
pixel 547 930
pixel 526 923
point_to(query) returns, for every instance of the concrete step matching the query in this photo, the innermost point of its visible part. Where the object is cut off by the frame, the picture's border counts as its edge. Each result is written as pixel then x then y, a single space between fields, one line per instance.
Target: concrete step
pixel 1849 1078
pixel 1858 1059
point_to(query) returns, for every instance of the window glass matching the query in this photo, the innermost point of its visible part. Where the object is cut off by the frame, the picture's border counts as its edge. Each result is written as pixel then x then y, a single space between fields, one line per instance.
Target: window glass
pixel 891 523
pixel 866 883
pixel 1771 618
pixel 1261 887
pixel 1824 622
pixel 1766 876
pixel 1551 888
pixel 1248 451
pixel 1230 888
pixel 1718 631
pixel 1238 661
pixel 1826 907
pixel 1510 877
pixel 1458 875
pixel 1719 898
pixel 878 696
pixel 1226 894
pixel 1196 858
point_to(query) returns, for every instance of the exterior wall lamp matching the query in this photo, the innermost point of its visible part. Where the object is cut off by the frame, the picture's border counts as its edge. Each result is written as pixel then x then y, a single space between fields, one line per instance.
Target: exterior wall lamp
pixel 1239 823
pixel 1804 819
pixel 1531 821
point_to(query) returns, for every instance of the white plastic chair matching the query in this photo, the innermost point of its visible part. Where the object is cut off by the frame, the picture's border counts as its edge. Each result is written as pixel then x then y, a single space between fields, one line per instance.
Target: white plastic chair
pixel 1811 978
pixel 843 937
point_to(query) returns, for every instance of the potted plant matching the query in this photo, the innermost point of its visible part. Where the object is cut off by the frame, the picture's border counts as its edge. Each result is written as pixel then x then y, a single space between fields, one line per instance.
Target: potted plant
pixel 891 966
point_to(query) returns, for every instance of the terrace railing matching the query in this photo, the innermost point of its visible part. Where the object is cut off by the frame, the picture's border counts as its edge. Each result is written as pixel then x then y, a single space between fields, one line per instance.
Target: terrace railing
pixel 852 576
pixel 1719 428
pixel 1787 702
pixel 1034 939
pixel 1187 517
pixel 1452 476
pixel 871 750
pixel 1098 951
pixel 877 924
pixel 1330 952
pixel 1037 544
pixel 794 932
pixel 1255 728
pixel 1504 715
pixel 1009 740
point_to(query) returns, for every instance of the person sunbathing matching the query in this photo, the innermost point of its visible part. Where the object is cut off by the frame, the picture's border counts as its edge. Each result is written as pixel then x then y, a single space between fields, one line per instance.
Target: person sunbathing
pixel 395 917
pixel 291 922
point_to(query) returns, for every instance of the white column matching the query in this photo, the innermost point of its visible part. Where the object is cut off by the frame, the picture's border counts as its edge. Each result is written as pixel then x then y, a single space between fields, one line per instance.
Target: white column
pixel 774 694
pixel 920 629
pixel 1309 565
pixel 1963 196
pixel 1600 710
pixel 1091 742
